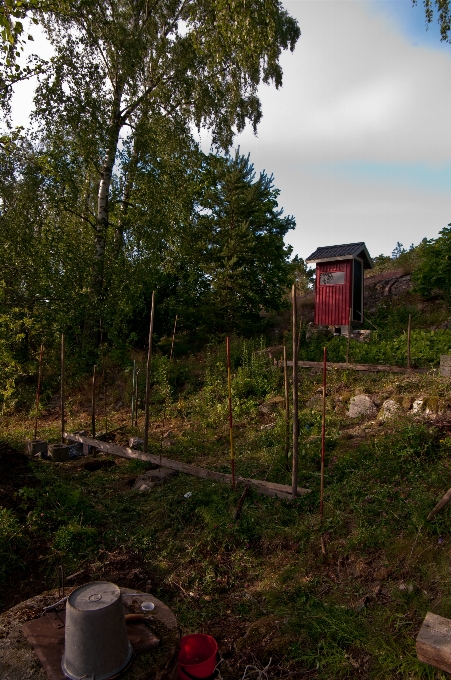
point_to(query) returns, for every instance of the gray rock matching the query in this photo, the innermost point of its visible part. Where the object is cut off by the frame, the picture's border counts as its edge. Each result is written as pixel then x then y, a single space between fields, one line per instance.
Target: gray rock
pixel 388 409
pixel 417 405
pixel 362 405
pixel 272 405
pixel 153 478
pixel 315 402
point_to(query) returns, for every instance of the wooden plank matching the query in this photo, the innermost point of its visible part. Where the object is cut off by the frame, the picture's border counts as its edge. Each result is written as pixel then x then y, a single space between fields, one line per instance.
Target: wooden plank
pixel 259 485
pixel 441 504
pixel 357 367
pixel 433 643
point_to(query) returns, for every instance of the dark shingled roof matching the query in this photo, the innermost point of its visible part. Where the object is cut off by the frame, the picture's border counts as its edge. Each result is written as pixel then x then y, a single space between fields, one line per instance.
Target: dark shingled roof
pixel 346 251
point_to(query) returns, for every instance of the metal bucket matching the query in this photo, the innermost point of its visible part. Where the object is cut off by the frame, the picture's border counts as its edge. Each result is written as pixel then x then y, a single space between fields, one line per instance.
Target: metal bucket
pixel 96 643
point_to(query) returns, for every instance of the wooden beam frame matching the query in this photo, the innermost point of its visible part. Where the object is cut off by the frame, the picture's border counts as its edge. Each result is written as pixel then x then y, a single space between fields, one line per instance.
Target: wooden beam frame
pixel 262 487
pixel 357 367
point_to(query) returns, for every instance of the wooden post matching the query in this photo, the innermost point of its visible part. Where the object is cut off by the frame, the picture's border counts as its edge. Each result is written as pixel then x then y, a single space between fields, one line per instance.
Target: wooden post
pixel 104 398
pixel 349 334
pixel 173 338
pixel 136 398
pixel 133 392
pixel 408 340
pixel 294 479
pixel 300 331
pixel 229 381
pixel 63 424
pixel 323 434
pixel 38 392
pixel 287 406
pixel 149 360
pixel 93 402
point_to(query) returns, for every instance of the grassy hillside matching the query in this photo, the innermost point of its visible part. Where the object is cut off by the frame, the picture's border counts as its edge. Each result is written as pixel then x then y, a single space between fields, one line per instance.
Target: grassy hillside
pixel 340 598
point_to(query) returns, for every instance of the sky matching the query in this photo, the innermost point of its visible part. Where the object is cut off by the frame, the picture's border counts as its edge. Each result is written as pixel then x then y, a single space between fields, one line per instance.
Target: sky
pixel 358 138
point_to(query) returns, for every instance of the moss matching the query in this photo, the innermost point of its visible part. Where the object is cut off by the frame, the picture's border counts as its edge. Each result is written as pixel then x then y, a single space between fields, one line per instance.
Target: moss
pixel 431 404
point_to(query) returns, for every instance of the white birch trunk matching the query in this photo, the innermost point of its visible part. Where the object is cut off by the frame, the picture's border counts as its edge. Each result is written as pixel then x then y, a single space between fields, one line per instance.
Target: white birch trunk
pixel 101 230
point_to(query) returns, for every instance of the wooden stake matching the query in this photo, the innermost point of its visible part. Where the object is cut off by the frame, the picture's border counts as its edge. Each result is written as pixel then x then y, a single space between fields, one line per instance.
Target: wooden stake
pixel 104 398
pixel 229 381
pixel 136 399
pixel 173 338
pixel 38 392
pixel 149 360
pixel 408 340
pixel 294 478
pixel 63 424
pixel 300 331
pixel 239 507
pixel 287 406
pixel 93 402
pixel 323 434
pixel 133 392
pixel 349 335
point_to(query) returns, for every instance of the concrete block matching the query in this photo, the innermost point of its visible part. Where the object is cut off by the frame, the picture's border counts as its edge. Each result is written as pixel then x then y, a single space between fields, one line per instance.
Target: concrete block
pixel 136 443
pixel 37 446
pixel 59 452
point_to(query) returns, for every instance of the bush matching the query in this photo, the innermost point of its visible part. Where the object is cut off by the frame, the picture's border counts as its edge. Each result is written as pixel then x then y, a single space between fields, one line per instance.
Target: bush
pixel 11 538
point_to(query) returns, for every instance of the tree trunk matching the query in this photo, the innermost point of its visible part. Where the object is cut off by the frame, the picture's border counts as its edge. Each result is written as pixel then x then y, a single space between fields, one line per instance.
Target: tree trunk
pixel 122 222
pixel 101 230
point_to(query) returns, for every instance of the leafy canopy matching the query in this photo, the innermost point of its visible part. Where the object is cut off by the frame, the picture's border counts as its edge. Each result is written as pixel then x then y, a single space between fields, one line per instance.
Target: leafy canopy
pixel 434 269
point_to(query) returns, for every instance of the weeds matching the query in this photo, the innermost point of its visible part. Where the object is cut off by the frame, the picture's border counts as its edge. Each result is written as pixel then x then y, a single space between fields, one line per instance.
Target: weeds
pixel 263 585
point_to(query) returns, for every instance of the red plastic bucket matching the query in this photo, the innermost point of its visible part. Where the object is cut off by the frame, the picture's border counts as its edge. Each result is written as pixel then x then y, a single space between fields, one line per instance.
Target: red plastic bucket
pixel 197 656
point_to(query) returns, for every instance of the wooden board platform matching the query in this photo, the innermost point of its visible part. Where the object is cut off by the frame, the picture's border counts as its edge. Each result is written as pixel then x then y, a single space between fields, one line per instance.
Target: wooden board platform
pixel 259 485
pixel 434 642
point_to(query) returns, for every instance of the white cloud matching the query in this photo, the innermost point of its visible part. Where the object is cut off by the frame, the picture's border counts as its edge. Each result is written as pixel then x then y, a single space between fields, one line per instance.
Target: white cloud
pixel 356 91
pixel 356 88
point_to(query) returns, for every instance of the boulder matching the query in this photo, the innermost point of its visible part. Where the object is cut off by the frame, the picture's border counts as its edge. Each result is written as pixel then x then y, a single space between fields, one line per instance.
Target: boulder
pixel 272 405
pixel 417 405
pixel 427 405
pixel 362 405
pixel 388 409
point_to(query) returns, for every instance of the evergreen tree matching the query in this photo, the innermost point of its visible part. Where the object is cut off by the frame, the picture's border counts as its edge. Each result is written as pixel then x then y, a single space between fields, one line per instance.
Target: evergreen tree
pixel 240 232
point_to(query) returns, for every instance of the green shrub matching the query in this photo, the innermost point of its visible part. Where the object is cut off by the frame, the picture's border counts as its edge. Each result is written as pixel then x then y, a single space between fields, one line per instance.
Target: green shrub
pixel 74 540
pixel 11 538
pixel 425 348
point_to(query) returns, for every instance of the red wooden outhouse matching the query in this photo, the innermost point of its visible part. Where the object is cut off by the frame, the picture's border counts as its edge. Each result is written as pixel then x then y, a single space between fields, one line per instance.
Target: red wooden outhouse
pixel 339 283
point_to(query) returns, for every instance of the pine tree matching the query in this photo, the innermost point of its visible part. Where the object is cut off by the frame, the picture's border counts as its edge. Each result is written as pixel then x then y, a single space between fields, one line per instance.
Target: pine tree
pixel 242 249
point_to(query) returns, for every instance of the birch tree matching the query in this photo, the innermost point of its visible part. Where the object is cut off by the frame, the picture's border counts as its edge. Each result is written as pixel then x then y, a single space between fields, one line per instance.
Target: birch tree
pixel 120 60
